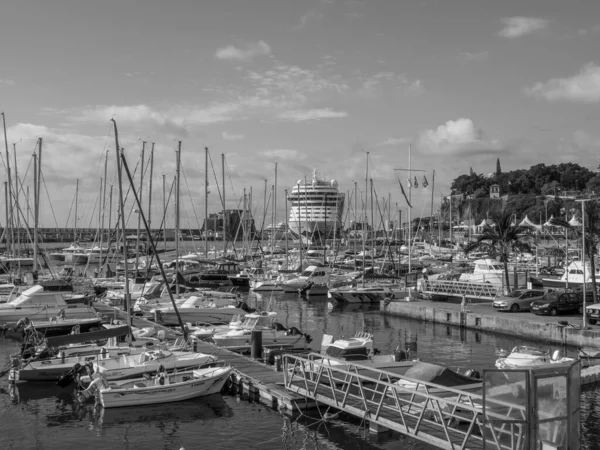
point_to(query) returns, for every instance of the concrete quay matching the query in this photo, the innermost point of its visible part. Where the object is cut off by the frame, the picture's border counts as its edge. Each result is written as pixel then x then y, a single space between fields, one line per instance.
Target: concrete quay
pixel 482 317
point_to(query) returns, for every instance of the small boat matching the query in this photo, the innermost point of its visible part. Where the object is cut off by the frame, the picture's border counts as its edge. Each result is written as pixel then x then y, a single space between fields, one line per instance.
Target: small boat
pixel 37 304
pixel 149 362
pixel 204 308
pixel 272 332
pixel 163 388
pixel 373 293
pixel 524 357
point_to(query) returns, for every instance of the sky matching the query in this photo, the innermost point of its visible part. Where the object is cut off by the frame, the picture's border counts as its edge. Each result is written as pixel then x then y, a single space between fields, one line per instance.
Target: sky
pixel 431 85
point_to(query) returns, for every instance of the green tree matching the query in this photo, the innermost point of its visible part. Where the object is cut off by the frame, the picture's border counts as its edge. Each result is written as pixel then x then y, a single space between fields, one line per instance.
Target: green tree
pixel 500 238
pixel 498 168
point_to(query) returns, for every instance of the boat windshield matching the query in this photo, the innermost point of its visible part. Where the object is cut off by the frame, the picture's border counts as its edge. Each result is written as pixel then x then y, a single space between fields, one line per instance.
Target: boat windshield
pixel 307 273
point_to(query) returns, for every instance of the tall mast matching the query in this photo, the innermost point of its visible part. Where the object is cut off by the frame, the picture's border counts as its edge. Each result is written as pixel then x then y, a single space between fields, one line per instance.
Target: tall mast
pixel 366 220
pixel 6 208
pixel 76 201
pixel 286 231
pixel 119 151
pixel 178 157
pixel 354 227
pixel 224 206
pixel 164 231
pixel 9 221
pixel 110 199
pixel 372 216
pixel 409 212
pixel 206 202
pixel 275 200
pixel 103 207
pixel 35 209
pixel 299 209
pixel 16 194
pixel 150 187
pixel 431 215
pixel 139 222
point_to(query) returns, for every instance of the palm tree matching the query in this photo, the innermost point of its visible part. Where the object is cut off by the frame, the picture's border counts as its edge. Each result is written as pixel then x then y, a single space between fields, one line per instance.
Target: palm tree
pixel 592 236
pixel 499 237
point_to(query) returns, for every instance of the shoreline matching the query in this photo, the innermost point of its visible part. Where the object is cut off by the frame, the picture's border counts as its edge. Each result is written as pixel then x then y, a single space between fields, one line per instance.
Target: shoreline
pixel 482 317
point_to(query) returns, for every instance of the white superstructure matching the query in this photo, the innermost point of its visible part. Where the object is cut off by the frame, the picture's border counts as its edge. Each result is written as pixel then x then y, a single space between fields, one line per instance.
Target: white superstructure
pixel 317 206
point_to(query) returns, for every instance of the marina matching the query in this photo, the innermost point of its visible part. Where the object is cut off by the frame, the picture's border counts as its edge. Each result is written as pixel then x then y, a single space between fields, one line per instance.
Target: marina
pixel 337 224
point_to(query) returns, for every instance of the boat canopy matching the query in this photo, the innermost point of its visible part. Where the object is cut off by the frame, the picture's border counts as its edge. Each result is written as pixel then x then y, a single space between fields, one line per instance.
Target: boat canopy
pixel 61 341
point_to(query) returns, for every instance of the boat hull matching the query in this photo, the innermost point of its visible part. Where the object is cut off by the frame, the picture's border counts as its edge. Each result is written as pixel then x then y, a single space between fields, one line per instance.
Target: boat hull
pixel 204 315
pixel 40 314
pixel 124 368
pixel 172 392
pixel 366 295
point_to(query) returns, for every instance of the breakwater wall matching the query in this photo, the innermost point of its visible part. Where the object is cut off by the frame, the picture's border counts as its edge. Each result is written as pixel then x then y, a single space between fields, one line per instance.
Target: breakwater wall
pixel 512 325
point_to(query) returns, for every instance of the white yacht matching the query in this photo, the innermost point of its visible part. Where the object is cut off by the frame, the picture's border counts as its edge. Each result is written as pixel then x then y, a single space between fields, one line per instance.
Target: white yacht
pixel 317 206
pixel 37 304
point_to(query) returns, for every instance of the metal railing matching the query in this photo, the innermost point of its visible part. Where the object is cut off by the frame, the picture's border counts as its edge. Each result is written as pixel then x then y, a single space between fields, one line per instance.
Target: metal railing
pixel 445 417
pixel 460 288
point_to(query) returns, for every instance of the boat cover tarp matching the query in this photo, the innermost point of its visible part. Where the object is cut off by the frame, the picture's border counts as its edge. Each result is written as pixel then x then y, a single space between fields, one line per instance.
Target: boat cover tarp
pixel 433 373
pixel 59 341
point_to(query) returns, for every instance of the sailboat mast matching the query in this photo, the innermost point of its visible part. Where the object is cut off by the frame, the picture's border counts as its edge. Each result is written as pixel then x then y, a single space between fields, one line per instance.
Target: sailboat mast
pixel 119 151
pixel 206 202
pixel 354 227
pixel 103 207
pixel 137 235
pixel 409 208
pixel 9 248
pixel 35 211
pixel 76 201
pixel 224 205
pixel 286 231
pixel 16 194
pixel 177 187
pixel 275 198
pixel 150 187
pixel 366 220
pixel 164 212
pixel 299 209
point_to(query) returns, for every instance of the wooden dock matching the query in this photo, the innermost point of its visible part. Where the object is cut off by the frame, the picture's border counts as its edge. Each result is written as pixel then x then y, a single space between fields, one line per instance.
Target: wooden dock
pixel 259 381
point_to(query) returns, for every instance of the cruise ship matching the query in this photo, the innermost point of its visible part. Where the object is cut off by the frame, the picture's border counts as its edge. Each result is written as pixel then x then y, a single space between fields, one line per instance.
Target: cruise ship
pixel 317 207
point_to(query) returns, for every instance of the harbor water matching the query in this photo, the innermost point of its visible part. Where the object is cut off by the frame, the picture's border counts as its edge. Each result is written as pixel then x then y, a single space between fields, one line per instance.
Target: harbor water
pixel 44 416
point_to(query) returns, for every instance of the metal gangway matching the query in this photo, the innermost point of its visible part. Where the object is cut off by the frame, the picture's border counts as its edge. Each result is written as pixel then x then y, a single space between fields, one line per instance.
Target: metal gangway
pixel 468 289
pixel 506 412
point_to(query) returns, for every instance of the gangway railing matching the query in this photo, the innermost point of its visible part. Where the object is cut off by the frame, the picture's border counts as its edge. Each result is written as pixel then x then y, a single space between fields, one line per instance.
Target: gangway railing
pixel 448 418
pixel 468 289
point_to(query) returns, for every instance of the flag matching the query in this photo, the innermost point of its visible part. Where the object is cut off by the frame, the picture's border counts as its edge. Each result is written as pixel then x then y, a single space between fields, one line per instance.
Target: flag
pixel 415 184
pixel 425 183
pixel 404 193
pixel 408 182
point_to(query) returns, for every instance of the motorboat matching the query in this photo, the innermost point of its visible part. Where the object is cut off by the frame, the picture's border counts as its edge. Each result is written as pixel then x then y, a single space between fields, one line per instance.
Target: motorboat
pixel 163 388
pixel 149 362
pixel 370 293
pixel 525 357
pixel 205 331
pixel 576 274
pixel 37 304
pixel 206 309
pixel 54 327
pixel 356 348
pixel 313 277
pixel 273 333
pixel 71 250
pixel 485 270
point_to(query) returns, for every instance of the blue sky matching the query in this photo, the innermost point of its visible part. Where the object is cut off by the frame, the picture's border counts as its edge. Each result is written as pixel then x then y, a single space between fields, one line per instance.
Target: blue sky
pixel 304 83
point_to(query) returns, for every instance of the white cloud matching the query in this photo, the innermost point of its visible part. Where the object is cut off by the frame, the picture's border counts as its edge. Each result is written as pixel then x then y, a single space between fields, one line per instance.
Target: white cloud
pixel 479 56
pixel 457 136
pixel 249 52
pixel 382 82
pixel 519 26
pixel 312 114
pixel 232 136
pixel 7 82
pixel 583 87
pixel 393 142
pixel 312 16
pixel 283 153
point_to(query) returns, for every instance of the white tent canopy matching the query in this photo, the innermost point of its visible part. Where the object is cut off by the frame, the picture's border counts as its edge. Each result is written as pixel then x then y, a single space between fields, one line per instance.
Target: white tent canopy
pixel 526 222
pixel 549 222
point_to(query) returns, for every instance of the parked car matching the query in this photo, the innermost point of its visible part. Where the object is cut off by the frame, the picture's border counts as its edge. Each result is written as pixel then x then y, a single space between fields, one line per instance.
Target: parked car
pixel 559 302
pixel 518 300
